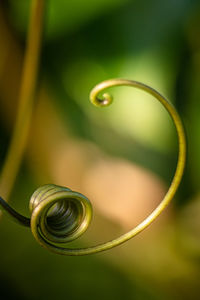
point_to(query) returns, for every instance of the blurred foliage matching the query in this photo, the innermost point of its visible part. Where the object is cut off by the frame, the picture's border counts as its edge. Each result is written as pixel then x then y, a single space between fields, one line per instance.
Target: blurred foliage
pixel 85 42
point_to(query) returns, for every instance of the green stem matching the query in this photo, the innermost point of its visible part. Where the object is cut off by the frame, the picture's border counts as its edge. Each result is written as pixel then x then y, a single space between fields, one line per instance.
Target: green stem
pixel 26 99
pixel 48 195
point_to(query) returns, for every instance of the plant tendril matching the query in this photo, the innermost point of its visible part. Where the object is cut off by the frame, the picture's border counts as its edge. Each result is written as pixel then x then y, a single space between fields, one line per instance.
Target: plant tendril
pixel 59 215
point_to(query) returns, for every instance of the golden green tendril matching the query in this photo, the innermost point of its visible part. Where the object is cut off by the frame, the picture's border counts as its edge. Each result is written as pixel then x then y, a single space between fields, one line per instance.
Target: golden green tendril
pixel 60 215
pixel 26 100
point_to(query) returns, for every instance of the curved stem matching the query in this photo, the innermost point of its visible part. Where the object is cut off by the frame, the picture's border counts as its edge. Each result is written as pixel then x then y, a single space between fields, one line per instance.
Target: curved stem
pixel 26 97
pixel 14 214
pixel 47 195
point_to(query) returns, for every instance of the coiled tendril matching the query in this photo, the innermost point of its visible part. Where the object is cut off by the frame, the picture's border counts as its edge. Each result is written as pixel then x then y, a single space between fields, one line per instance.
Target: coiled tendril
pixel 59 215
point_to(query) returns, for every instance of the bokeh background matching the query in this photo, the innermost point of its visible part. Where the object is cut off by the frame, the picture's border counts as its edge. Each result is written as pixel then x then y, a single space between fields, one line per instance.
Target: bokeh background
pixel 122 157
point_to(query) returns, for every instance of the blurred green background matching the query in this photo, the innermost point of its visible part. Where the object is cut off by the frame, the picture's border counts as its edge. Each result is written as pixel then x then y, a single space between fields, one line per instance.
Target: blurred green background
pixel 122 157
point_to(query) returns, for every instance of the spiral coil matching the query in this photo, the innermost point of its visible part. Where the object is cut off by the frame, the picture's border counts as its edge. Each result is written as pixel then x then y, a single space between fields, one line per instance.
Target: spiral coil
pixel 59 215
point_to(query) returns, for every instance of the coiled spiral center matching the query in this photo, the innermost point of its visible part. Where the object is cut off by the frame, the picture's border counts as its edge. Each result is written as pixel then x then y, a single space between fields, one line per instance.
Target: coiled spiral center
pixel 59 215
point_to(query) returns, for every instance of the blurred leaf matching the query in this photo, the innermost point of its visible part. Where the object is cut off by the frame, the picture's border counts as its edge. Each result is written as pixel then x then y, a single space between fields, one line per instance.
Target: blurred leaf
pixel 63 16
